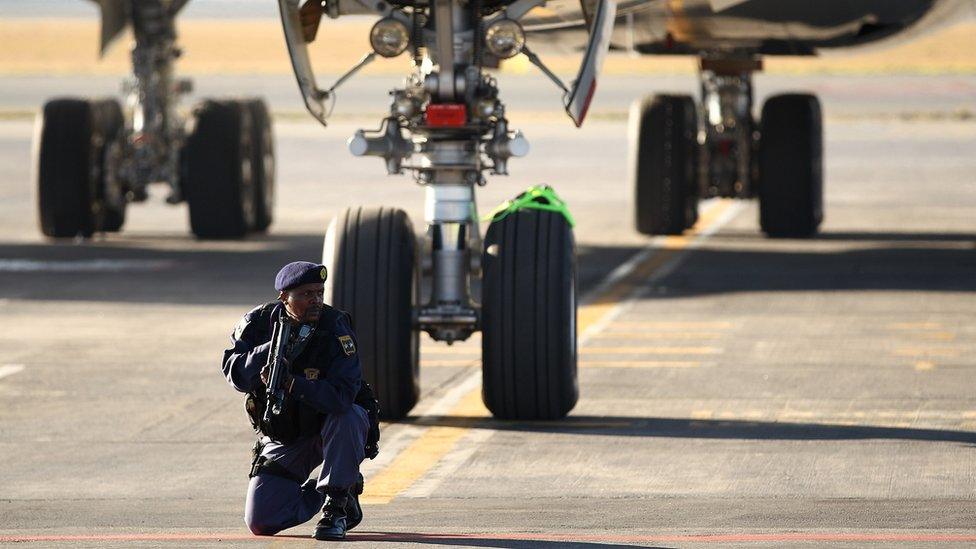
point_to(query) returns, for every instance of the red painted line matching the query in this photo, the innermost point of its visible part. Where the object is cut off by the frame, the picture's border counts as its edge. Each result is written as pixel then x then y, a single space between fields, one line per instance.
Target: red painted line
pixel 782 537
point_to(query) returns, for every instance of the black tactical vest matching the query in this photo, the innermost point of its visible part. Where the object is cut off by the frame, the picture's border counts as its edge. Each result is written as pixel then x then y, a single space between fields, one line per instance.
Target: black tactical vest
pixel 296 419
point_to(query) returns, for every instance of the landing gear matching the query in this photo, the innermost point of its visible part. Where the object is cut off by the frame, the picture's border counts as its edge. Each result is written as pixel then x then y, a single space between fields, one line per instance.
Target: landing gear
pixel 371 257
pixel 791 166
pixel 529 317
pixel 664 141
pixel 75 196
pixel 732 157
pixel 262 163
pixel 447 125
pixel 219 184
pixel 110 195
pixel 93 158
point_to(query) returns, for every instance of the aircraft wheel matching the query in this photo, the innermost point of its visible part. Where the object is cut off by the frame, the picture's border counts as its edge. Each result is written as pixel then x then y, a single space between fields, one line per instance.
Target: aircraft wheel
pixel 262 163
pixel 111 200
pixel 371 257
pixel 63 158
pixel 664 149
pixel 791 166
pixel 218 183
pixel 529 317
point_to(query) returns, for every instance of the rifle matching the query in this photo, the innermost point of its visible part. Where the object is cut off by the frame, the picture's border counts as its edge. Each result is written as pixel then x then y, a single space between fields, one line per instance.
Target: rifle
pixel 277 366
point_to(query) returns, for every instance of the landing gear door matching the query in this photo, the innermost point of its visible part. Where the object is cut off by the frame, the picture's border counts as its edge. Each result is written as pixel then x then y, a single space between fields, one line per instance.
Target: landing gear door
pixel 301 63
pixel 601 29
pixel 115 17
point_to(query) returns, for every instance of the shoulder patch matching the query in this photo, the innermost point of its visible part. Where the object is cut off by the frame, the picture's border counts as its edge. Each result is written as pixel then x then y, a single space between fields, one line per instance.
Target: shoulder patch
pixel 347 344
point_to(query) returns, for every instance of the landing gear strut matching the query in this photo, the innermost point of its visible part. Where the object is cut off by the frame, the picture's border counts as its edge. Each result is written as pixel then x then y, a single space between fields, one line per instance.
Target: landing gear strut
pixel 94 157
pixel 777 158
pixel 447 126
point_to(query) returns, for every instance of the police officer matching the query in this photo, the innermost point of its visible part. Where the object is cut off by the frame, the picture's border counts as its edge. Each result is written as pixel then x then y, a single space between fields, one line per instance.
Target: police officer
pixel 321 423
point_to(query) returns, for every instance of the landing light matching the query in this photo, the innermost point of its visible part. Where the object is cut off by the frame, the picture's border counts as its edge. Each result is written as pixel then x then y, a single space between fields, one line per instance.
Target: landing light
pixel 389 37
pixel 505 38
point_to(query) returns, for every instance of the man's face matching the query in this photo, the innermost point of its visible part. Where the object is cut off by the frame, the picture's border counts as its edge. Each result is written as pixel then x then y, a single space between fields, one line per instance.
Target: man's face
pixel 304 303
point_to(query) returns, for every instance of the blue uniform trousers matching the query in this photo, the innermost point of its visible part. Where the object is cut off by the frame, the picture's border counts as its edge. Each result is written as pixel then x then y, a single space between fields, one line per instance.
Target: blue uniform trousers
pixel 275 503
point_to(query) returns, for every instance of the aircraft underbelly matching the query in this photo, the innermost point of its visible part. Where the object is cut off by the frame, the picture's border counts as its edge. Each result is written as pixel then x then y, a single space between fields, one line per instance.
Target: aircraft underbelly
pixel 772 27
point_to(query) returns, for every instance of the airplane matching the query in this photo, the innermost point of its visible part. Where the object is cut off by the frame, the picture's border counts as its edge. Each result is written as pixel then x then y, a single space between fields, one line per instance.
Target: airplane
pixel 447 126
pixel 92 157
pixel 684 148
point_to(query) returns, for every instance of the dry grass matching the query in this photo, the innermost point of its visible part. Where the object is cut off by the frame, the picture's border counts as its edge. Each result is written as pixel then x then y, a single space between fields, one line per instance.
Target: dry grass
pixel 69 46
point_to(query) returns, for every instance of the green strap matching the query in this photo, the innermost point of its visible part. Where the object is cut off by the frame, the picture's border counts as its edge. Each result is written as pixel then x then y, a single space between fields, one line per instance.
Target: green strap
pixel 536 197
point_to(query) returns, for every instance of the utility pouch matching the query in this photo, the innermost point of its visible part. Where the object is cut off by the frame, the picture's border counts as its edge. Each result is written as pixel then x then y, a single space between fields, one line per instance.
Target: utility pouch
pixel 367 399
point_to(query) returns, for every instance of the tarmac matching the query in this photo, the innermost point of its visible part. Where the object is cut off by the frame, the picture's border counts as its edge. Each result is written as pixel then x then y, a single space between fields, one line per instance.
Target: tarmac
pixel 736 391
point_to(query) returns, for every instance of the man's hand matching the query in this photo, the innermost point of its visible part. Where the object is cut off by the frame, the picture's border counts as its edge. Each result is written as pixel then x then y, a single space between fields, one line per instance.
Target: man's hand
pixel 286 382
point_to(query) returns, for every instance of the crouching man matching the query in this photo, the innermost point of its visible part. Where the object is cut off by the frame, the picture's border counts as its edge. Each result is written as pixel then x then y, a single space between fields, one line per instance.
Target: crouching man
pixel 326 414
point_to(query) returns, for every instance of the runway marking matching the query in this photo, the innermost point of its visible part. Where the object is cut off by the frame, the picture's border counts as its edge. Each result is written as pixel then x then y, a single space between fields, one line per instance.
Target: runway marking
pixel 568 537
pixel 597 310
pixel 918 352
pixel 84 266
pixel 937 336
pixel 639 364
pixel 658 335
pixel 650 351
pixel 914 326
pixel 414 462
pixel 10 369
pixel 869 418
pixel 655 325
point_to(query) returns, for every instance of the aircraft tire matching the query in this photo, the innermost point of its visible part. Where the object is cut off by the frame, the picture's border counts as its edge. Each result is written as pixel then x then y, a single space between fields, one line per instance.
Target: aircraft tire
pixel 111 200
pixel 372 262
pixel 262 163
pixel 218 181
pixel 529 317
pixel 791 166
pixel 664 163
pixel 63 155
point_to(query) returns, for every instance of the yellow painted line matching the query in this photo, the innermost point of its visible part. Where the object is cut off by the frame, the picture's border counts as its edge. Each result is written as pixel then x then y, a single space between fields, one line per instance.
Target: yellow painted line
pixel 650 351
pixel 937 336
pixel 428 449
pixel 639 364
pixel 914 326
pixel 926 352
pixel 661 325
pixel 591 313
pixel 420 456
pixel 658 335
pixel 924 365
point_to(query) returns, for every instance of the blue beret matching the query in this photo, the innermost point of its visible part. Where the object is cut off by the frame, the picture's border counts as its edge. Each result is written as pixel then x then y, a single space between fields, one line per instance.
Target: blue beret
pixel 298 273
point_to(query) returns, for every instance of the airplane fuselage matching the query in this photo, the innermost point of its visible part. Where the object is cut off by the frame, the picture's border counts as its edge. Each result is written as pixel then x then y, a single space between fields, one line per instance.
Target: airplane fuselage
pixel 767 27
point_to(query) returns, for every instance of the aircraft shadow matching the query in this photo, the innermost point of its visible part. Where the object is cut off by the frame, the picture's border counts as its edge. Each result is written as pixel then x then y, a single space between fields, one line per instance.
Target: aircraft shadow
pixel 455 540
pixel 175 270
pixel 185 271
pixel 626 426
pixel 713 270
pixel 855 236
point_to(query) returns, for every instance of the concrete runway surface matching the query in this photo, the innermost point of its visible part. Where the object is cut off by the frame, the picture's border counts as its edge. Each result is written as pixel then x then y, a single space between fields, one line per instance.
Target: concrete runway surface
pixel 735 391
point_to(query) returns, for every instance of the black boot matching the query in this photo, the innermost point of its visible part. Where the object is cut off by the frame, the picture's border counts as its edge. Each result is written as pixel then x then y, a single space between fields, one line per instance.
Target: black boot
pixel 332 525
pixel 354 512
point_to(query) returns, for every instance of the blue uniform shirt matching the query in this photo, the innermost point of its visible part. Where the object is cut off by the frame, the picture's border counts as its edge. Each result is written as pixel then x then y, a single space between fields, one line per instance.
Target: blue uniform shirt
pixel 332 350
